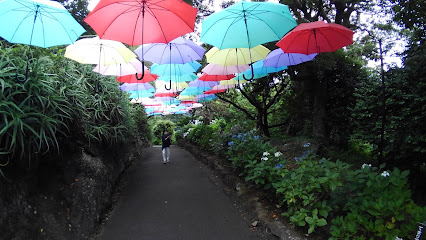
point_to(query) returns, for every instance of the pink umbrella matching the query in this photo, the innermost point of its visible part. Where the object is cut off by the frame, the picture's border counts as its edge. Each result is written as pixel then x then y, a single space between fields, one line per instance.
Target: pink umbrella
pixel 132 67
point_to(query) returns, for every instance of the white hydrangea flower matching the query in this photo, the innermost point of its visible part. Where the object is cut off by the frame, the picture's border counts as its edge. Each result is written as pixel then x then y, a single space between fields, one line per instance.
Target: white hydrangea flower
pixel 278 154
pixel 264 158
pixel 398 238
pixel 266 154
pixel 366 165
pixel 385 174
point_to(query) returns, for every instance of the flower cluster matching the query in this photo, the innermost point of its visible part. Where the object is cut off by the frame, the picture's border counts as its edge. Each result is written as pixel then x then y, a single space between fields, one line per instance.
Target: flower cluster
pixel 366 165
pixel 304 155
pixel 385 174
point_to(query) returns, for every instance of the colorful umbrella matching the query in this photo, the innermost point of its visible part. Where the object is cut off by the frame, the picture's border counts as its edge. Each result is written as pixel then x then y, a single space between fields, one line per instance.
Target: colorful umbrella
pixel 316 37
pixel 206 77
pixel 132 67
pixel 127 20
pixel 236 56
pixel 99 51
pixel 175 69
pixel 140 94
pixel 137 87
pixel 259 70
pixel 217 69
pixel 202 84
pixel 278 58
pixel 246 25
pixel 179 50
pixel 148 77
pixel 178 78
pixel 39 23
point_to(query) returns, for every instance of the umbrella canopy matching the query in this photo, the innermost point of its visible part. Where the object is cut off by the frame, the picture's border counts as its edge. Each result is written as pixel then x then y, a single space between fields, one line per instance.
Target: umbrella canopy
pixel 39 23
pixel 128 20
pixel 137 87
pixel 231 82
pixel 175 86
pixel 192 91
pixel 203 84
pixel 179 50
pixel 247 24
pixel 206 77
pixel 99 51
pixel 148 77
pixel 140 94
pixel 175 69
pixel 178 78
pixel 259 70
pixel 132 67
pixel 217 69
pixel 236 56
pixel 316 37
pixel 278 58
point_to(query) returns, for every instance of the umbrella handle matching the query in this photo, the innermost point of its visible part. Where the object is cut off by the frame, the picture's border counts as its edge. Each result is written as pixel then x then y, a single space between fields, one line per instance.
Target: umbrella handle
pixel 252 74
pixel 168 88
pixel 143 72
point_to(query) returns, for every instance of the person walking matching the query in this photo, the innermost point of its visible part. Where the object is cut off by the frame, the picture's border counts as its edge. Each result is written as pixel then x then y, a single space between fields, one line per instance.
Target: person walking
pixel 165 147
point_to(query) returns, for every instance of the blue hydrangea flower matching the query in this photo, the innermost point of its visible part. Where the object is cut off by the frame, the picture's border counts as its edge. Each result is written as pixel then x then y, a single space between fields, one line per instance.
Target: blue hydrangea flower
pixel 230 143
pixel 279 165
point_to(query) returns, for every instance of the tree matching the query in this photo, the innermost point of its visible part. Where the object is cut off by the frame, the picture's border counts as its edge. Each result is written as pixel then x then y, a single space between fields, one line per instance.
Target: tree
pixel 262 95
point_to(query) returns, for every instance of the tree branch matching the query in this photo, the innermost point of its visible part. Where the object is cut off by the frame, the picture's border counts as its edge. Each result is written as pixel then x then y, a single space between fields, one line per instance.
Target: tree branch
pixel 236 106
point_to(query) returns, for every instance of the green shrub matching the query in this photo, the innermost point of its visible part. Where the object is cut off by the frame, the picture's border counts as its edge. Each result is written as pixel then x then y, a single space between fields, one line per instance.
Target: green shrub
pixel 308 189
pixel 378 206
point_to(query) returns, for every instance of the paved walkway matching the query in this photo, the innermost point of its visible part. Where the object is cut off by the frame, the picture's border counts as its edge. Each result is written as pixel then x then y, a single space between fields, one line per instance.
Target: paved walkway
pixel 174 201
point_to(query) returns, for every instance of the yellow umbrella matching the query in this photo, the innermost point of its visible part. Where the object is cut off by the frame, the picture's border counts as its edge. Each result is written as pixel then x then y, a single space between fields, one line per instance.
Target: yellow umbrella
pixel 232 81
pixel 186 98
pixel 236 56
pixel 99 51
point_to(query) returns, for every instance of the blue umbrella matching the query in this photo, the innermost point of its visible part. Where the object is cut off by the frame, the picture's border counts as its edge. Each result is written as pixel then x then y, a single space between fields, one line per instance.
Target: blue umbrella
pixel 39 23
pixel 175 69
pixel 259 70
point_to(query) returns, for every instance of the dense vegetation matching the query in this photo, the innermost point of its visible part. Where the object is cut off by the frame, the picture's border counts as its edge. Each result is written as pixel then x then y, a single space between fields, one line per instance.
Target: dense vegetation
pixel 60 102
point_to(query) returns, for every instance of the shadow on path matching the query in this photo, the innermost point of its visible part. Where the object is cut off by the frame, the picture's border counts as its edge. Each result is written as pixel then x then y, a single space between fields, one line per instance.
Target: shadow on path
pixel 173 201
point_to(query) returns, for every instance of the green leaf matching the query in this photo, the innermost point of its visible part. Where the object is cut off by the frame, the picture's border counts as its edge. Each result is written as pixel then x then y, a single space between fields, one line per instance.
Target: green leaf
pixel 321 222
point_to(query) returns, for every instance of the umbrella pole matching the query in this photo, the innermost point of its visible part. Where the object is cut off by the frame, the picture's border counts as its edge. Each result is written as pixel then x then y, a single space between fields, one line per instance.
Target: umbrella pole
pixel 170 64
pixel 143 62
pixel 248 41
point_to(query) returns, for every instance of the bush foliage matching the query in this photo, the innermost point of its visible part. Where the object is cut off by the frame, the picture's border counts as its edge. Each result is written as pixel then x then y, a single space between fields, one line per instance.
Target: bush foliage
pixel 349 201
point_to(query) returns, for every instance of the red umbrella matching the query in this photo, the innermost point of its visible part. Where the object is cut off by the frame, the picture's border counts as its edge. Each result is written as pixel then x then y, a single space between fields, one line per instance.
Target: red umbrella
pixel 207 77
pixel 316 37
pixel 148 77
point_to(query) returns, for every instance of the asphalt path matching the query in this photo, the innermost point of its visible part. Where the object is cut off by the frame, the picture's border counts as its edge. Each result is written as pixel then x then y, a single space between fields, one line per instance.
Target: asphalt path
pixel 174 201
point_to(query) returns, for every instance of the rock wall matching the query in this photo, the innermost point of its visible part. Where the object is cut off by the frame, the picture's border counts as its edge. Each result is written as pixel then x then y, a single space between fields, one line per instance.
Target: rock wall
pixel 67 196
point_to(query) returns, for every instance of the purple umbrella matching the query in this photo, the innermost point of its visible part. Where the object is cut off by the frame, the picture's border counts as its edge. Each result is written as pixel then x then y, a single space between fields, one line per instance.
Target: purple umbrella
pixel 217 69
pixel 137 87
pixel 180 50
pixel 203 84
pixel 278 58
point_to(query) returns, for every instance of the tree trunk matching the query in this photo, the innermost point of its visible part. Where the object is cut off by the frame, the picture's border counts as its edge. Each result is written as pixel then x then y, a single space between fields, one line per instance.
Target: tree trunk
pixel 319 109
